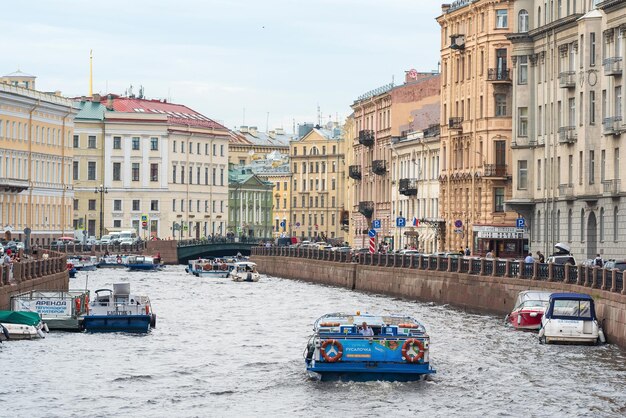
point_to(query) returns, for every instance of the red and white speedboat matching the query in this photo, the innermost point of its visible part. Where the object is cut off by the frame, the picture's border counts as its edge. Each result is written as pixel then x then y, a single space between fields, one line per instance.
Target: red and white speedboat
pixel 529 309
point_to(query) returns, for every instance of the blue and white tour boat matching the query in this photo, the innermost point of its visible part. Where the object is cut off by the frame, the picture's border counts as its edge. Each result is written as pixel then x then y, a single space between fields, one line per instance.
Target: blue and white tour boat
pixel 143 263
pixel 218 268
pixel 368 347
pixel 113 261
pixel 119 310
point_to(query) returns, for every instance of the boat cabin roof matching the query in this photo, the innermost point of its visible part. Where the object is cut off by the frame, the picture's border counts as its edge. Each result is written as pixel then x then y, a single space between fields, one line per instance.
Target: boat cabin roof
pixel 527 295
pixel 372 320
pixel 570 296
pixel 245 263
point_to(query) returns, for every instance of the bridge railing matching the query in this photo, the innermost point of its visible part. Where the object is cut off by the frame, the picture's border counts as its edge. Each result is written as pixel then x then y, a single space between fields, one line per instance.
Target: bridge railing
pixel 610 280
pixel 46 263
pixel 73 248
pixel 206 241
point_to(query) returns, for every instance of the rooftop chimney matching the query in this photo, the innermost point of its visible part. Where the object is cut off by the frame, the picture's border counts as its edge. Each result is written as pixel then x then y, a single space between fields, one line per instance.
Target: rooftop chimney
pixel 445 7
pixel 280 131
pixel 95 98
pixel 272 134
pixel 253 130
pixel 109 102
pixel 243 129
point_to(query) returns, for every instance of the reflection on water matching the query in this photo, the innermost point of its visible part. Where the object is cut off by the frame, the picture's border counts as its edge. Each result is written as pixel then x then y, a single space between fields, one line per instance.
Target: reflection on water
pixel 224 348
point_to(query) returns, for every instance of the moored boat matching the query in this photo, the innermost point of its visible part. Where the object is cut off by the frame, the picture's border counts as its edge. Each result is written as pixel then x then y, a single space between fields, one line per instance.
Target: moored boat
pixel 113 261
pixel 21 326
pixel 368 347
pixel 571 318
pixel 59 310
pixel 245 271
pixel 83 263
pixel 209 268
pixel 119 310
pixel 143 263
pixel 529 309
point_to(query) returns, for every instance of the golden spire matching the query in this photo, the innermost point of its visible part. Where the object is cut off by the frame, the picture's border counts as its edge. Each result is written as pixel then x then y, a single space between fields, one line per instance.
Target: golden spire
pixel 91 73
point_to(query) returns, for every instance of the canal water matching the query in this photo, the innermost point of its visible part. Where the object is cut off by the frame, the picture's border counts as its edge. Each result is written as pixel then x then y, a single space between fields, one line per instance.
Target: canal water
pixel 235 349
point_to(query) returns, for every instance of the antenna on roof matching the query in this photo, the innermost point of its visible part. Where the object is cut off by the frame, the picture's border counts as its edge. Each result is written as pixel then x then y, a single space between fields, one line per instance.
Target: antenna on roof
pixel 319 115
pixel 243 123
pixel 141 96
pixel 267 122
pixel 91 73
pixel 294 126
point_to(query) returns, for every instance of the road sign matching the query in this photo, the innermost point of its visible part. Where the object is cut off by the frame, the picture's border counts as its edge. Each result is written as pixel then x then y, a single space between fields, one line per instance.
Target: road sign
pixel 458 223
pixel 372 246
pixel 371 233
pixel 283 224
pixel 376 224
pixel 144 218
pixel 520 222
pixel 297 224
pixel 400 222
pixel 458 231
pixel 185 227
pixel 145 225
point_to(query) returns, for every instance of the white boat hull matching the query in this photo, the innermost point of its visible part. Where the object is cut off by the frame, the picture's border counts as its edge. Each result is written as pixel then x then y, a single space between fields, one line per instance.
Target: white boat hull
pixel 220 274
pixel 245 277
pixel 21 332
pixel 570 331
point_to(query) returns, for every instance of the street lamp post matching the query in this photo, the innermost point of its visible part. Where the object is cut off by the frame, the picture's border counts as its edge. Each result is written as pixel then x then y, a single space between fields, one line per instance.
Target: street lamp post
pixel 102 190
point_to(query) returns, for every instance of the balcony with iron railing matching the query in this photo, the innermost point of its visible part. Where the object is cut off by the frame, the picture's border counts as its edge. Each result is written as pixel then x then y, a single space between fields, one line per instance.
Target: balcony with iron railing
pixel 407 187
pixel 456 123
pixel 354 171
pixel 13 185
pixel 612 66
pixel 499 75
pixel 566 190
pixel 432 131
pixel 611 187
pixel 567 79
pixel 366 137
pixel 495 170
pixel 366 209
pixel 612 125
pixel 379 167
pixel 567 134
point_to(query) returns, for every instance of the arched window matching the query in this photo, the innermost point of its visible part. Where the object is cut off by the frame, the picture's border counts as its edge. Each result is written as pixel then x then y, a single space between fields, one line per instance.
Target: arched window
pixel 601 224
pixel 615 220
pixel 582 225
pixel 522 21
pixel 569 226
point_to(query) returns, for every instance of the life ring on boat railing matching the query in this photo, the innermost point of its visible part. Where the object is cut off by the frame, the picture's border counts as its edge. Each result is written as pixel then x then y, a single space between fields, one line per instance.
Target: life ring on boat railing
pixel 330 324
pixel 407 325
pixel 409 344
pixel 77 305
pixel 70 266
pixel 338 354
pixel 206 267
pixel 223 266
pixel 119 260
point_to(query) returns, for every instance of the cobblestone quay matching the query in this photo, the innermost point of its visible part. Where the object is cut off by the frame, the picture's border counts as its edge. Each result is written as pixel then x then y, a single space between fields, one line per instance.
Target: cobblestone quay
pixel 484 285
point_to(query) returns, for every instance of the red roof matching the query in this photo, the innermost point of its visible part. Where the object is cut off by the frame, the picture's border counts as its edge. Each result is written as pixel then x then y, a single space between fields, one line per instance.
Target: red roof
pixel 176 113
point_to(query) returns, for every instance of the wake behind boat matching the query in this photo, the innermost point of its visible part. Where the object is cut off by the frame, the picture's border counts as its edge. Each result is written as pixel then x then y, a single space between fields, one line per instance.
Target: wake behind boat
pixel 368 347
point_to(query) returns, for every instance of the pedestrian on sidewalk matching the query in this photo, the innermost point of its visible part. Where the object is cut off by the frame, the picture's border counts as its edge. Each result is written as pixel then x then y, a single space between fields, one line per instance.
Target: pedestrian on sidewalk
pixel 541 257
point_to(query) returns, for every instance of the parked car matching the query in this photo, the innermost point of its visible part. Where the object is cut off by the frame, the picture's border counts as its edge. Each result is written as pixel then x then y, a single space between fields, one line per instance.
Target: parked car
pixel 341 249
pixel 615 264
pixel 562 259
pixel 409 252
pixel 105 239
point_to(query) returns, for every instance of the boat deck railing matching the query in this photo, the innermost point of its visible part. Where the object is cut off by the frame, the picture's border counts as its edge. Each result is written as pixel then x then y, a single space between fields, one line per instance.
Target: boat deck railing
pixel 594 277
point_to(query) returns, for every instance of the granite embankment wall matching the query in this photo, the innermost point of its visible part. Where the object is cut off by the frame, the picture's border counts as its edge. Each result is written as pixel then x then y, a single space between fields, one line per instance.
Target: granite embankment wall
pixel 479 293
pixel 47 272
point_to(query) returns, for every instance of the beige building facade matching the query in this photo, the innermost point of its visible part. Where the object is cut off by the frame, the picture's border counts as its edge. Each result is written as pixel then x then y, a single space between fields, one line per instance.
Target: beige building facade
pixel 476 128
pixel 568 124
pixel 35 159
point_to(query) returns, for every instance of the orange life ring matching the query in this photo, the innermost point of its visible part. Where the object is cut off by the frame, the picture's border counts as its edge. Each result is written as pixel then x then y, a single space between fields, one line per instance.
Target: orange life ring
pixel 77 305
pixel 329 324
pixel 407 325
pixel 409 344
pixel 336 357
pixel 206 267
pixel 70 266
pixel 119 260
pixel 223 266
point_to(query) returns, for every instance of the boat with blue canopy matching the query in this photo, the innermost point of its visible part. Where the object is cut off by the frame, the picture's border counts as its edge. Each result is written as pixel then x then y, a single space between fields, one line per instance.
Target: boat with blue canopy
pixel 368 347
pixel 142 263
pixel 571 318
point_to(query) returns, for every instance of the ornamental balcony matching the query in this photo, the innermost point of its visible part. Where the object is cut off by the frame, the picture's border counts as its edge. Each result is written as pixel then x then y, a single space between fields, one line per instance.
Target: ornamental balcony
pixel 354 171
pixel 612 66
pixel 495 170
pixel 366 209
pixel 611 187
pixel 13 185
pixel 567 135
pixel 567 79
pixel 612 125
pixel 366 137
pixel 407 187
pixel 455 123
pixel 499 75
pixel 379 167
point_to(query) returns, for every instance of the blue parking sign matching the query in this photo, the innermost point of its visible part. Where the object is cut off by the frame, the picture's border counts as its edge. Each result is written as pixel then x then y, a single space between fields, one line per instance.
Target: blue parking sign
pixel 400 222
pixel 521 222
pixel 376 224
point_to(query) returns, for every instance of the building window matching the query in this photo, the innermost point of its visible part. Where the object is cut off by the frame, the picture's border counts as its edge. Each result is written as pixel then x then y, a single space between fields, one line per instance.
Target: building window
pixel 582 225
pixel 75 170
pixel 135 172
pixel 135 143
pixel 182 147
pixel 75 204
pixel 523 121
pixel 154 205
pixel 154 144
pixel 173 205
pixel 601 225
pixel 522 77
pixel 522 21
pixel 502 19
pixel 76 138
pixel 117 205
pixel 500 104
pixel 136 205
pixel 117 142
pixel 91 170
pixel 154 172
pixel 92 142
pixel 592 107
pixel 215 150
pixel 197 175
pixel 190 147
pixel 117 171
pixel 222 150
pixel 592 167
pixel 569 226
pixel 92 204
pixel 221 176
pixel 522 175
pixel 615 224
pixel 117 223
pixel 592 49
pixel 498 199
pixel 174 146
pixel 206 176
pixel 174 174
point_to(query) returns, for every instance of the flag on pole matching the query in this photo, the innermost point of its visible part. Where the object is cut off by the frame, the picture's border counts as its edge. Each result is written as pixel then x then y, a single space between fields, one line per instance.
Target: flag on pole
pixel 415 221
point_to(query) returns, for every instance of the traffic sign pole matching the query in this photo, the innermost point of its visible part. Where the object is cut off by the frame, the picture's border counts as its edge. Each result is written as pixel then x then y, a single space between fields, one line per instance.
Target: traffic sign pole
pixel 372 245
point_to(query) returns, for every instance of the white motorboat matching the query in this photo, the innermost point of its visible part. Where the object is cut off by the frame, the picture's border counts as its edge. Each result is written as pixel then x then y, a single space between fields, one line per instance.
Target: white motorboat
pixel 570 318
pixel 245 271
pixel 16 325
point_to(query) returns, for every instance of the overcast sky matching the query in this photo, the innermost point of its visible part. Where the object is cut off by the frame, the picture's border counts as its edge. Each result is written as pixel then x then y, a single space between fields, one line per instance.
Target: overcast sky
pixel 282 57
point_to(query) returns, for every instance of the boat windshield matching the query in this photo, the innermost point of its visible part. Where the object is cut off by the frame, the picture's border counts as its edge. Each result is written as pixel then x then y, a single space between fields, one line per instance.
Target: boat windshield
pixel 572 308
pixel 535 304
